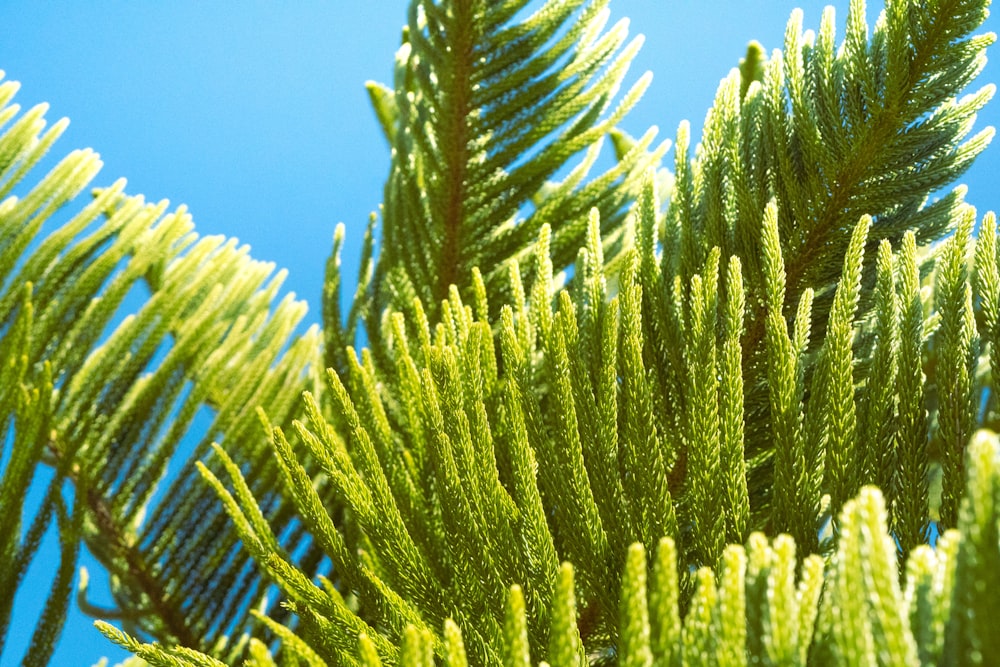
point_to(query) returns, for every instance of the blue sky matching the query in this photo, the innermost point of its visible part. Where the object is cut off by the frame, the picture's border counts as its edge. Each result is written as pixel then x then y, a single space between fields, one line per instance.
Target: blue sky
pixel 255 116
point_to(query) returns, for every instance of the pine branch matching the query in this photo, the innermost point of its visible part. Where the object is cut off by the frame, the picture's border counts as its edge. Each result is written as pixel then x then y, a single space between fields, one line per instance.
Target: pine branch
pixel 541 89
pixel 114 395
pixel 829 136
pixel 824 132
pixel 864 617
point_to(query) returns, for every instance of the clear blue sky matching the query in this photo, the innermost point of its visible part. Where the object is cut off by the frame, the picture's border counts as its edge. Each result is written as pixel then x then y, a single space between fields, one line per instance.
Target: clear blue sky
pixel 254 114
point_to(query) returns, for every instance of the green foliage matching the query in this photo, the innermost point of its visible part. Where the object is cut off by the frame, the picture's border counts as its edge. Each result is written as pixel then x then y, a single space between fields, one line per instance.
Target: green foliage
pixel 763 606
pixel 476 90
pixel 745 347
pixel 106 407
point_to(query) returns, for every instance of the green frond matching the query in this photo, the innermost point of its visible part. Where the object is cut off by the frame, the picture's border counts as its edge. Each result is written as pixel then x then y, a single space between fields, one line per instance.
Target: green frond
pixel 723 366
pixel 664 594
pixel 736 507
pixel 294 649
pixel 565 647
pixel 838 403
pixel 877 400
pixel 701 634
pixel 156 655
pixel 704 430
pixel 516 651
pixel 477 90
pixel 634 644
pixel 454 648
pixel 956 344
pixel 732 608
pixel 113 395
pixel 417 648
pixel 339 334
pixel 830 134
pixel 751 67
pixel 909 491
pixel 969 638
pixel 795 498
pixel 764 606
pixel 987 288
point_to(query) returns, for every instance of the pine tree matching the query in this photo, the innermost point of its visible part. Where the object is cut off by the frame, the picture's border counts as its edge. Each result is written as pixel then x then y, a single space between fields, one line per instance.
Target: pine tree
pixel 712 415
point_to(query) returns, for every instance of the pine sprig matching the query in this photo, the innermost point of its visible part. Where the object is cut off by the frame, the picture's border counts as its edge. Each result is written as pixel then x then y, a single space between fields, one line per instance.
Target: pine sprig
pixel 114 394
pixel 910 507
pixel 543 86
pixel 956 372
pixel 762 605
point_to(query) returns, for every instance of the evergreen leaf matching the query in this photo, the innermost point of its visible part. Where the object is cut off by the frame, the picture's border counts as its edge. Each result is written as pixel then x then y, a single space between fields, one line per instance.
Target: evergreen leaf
pixel 542 87
pixel 116 393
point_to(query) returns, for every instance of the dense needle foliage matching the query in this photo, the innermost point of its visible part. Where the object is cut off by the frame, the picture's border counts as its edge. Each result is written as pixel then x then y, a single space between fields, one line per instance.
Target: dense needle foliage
pixel 702 415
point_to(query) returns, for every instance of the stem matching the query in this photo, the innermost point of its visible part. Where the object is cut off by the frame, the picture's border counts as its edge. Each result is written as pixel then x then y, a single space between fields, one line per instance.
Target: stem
pixel 455 143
